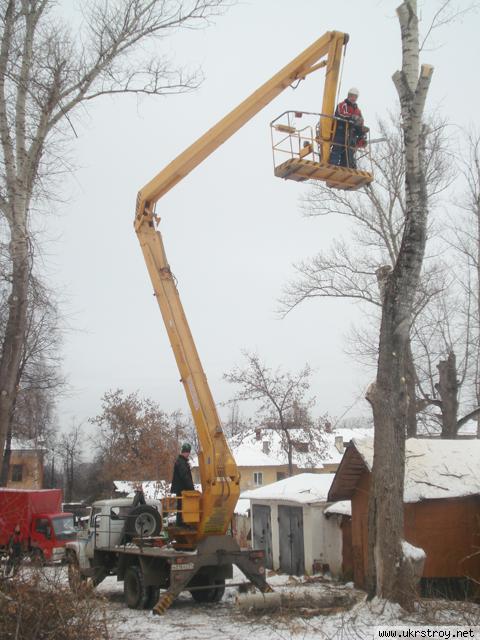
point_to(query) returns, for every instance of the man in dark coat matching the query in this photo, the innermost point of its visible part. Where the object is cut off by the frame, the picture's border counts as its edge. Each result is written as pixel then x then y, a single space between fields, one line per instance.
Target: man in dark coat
pixel 182 479
pixel 15 552
pixel 139 497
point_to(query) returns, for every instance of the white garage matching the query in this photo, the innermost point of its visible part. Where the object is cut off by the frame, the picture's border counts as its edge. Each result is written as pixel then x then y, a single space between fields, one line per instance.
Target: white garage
pixel 288 523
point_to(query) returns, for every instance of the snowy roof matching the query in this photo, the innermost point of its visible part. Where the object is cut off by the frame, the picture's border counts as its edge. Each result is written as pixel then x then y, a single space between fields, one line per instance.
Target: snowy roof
pixel 26 445
pixel 248 450
pixel 249 456
pixel 342 508
pixel 304 488
pixel 434 468
pixel 332 455
pixel 152 489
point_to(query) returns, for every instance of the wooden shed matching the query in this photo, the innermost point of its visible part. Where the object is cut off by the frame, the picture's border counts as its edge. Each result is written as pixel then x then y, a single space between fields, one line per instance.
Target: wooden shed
pixel 288 523
pixel 441 504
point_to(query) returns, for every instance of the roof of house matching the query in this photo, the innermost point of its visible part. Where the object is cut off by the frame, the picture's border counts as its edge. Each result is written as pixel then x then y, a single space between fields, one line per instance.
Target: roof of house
pixel 249 452
pixel 26 446
pixel 342 508
pixel 247 455
pixel 434 468
pixel 304 488
pixel 152 489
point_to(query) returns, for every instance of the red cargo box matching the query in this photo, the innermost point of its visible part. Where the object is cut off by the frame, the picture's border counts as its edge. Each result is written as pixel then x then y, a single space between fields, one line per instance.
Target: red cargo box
pixel 18 505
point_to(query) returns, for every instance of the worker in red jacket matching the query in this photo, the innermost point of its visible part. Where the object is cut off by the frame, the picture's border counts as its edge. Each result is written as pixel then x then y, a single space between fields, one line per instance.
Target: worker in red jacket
pixel 350 132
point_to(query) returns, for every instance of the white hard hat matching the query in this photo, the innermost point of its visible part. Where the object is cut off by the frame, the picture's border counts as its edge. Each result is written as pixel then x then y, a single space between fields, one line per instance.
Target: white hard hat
pixel 354 91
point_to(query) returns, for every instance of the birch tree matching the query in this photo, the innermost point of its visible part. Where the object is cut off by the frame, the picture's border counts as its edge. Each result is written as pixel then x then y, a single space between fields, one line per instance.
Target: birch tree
pixel 389 571
pixel 48 71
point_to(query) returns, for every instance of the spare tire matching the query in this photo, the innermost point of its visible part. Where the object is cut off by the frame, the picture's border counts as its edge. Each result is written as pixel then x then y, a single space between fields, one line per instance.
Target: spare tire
pixel 143 522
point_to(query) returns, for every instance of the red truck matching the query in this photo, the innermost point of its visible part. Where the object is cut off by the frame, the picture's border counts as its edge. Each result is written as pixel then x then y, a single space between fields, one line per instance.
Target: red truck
pixel 44 528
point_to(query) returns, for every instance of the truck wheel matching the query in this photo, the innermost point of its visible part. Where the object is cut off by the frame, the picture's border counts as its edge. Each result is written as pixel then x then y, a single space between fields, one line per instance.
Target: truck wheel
pixel 143 522
pixel 153 597
pixel 75 578
pixel 37 557
pixel 136 594
pixel 215 594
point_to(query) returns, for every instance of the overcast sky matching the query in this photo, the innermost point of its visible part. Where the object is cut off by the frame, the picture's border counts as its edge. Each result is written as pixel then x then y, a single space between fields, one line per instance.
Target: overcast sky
pixel 231 229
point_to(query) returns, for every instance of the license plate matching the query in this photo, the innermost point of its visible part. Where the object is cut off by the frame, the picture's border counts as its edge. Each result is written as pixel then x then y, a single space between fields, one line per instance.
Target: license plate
pixel 182 567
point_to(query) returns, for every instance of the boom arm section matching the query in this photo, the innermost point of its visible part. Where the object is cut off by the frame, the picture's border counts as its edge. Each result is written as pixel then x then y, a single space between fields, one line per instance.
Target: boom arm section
pixel 219 473
pixel 329 45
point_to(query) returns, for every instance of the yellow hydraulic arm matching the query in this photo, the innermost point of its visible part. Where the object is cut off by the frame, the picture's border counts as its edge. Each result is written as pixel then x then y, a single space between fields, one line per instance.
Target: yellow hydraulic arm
pixel 219 474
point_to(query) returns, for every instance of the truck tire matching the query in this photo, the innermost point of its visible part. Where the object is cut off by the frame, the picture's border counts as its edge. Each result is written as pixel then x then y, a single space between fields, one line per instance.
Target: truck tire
pixel 37 558
pixel 143 522
pixel 137 595
pixel 75 578
pixel 215 594
pixel 153 597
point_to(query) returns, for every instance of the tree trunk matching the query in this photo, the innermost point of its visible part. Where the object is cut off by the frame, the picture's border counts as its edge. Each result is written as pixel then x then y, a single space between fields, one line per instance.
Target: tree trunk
pixel 7 456
pixel 389 400
pixel 388 571
pixel 13 342
pixel 410 377
pixel 448 389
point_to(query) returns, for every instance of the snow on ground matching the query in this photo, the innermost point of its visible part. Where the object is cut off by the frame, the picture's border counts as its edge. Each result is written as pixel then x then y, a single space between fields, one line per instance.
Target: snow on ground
pixel 223 621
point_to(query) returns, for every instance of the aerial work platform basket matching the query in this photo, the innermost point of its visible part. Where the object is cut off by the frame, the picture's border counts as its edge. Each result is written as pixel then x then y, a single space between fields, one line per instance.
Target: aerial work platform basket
pixel 301 152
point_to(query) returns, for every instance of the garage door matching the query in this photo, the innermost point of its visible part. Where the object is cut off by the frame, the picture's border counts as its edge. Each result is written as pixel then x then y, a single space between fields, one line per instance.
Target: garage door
pixel 290 528
pixel 262 532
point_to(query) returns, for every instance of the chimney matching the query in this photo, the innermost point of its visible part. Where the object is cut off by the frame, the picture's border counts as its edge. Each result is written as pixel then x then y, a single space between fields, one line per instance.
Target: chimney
pixel 339 444
pixel 266 446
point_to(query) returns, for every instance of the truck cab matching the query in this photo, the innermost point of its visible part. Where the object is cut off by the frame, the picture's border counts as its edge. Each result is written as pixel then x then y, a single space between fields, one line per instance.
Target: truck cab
pixel 112 523
pixel 49 534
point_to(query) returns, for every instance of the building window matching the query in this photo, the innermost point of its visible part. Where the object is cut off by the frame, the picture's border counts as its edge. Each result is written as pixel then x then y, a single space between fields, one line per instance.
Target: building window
pixel 301 447
pixel 281 475
pixel 17 472
pixel 257 478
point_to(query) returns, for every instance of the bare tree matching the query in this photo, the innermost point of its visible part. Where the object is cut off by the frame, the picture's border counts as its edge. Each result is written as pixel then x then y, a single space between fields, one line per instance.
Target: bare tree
pixel 70 450
pixel 349 270
pixel 282 404
pixel 39 379
pixel 47 72
pixel 467 244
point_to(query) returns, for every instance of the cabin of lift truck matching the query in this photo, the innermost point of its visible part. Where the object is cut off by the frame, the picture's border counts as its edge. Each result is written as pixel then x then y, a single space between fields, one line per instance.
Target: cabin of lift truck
pixel 302 143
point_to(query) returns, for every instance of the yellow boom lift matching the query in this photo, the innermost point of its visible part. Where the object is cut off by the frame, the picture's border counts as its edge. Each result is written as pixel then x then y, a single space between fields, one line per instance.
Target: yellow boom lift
pixel 210 512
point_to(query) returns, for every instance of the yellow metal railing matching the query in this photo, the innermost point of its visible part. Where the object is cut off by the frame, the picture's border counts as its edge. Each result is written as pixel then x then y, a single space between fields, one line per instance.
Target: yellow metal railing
pixel 296 135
